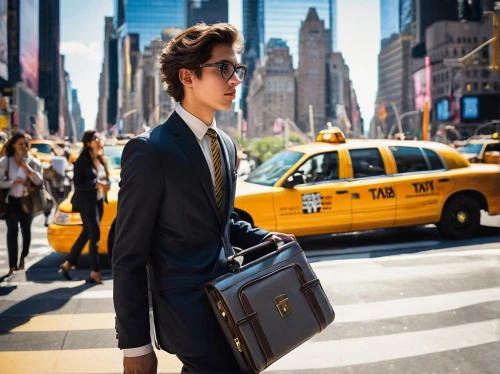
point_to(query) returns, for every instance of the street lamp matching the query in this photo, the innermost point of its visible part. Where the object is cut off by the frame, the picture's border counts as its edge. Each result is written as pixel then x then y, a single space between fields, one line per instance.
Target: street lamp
pixel 288 122
pixel 403 116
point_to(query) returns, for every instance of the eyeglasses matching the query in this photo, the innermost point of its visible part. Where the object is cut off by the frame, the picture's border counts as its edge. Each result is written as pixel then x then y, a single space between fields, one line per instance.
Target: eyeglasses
pixel 97 139
pixel 227 69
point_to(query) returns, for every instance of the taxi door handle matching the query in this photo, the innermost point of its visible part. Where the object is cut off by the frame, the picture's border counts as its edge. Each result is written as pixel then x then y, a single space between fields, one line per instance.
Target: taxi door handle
pixel 443 180
pixel 341 192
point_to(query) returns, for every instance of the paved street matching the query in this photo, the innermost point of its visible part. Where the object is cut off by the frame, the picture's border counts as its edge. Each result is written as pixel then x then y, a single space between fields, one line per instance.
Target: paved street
pixel 406 301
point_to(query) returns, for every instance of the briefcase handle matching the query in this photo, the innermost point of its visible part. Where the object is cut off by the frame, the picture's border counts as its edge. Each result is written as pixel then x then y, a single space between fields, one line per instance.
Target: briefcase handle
pixel 259 250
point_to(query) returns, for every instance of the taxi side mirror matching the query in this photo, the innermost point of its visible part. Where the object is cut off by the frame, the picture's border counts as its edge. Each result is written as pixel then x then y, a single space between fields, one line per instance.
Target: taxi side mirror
pixel 294 180
pixel 491 157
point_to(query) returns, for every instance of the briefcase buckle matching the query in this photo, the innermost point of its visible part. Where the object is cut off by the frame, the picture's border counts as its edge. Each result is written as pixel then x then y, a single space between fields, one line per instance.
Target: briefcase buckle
pixel 283 305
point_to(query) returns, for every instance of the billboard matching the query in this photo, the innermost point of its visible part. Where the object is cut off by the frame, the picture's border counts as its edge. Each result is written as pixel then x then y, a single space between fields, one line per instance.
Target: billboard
pixel 443 110
pixel 4 71
pixel 28 43
pixel 480 108
pixel 422 84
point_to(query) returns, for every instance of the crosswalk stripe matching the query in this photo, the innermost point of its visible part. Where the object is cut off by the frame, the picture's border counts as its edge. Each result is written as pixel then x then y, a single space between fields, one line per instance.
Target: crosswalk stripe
pixel 68 322
pixel 347 352
pixel 75 361
pixel 402 272
pixel 404 256
pixel 344 313
pixel 414 305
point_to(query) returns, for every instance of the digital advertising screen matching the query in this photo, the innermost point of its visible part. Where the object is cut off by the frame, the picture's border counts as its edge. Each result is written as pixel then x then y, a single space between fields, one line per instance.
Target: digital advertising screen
pixel 443 110
pixel 28 43
pixel 470 107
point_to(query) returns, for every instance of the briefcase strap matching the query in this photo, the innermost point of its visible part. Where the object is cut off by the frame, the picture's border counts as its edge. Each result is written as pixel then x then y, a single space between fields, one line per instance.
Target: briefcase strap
pixel 258 330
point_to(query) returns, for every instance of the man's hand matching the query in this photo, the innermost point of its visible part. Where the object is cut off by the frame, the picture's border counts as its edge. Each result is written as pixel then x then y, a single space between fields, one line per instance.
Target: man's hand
pixel 285 238
pixel 147 364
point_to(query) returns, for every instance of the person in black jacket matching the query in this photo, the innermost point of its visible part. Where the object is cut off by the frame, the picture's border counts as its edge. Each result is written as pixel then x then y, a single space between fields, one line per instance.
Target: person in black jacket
pixel 175 211
pixel 91 181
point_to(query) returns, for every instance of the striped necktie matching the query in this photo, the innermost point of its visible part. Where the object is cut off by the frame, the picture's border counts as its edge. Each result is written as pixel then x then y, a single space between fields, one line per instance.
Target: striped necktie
pixel 217 167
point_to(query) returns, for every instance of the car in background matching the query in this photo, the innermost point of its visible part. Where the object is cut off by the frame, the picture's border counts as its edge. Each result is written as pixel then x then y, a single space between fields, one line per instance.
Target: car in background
pixel 67 225
pixel 335 186
pixel 74 151
pixel 482 150
pixel 44 149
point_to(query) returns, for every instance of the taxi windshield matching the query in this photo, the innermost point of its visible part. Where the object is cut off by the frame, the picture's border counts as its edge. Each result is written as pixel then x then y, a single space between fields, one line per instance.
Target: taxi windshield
pixel 273 169
pixel 42 148
pixel 113 156
pixel 472 148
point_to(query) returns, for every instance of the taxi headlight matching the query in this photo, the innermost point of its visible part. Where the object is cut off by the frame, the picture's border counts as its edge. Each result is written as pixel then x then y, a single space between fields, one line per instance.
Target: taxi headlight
pixel 61 218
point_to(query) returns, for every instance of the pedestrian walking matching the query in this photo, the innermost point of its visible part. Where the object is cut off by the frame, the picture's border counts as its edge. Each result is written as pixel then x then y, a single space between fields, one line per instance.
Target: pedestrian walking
pixel 91 181
pixel 175 210
pixel 16 167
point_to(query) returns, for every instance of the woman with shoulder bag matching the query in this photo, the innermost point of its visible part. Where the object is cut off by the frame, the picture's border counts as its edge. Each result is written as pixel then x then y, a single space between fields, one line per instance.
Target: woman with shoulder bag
pixel 16 168
pixel 91 181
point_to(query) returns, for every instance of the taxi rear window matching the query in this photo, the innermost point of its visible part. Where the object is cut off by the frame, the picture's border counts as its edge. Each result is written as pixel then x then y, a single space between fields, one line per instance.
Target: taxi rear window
pixel 412 159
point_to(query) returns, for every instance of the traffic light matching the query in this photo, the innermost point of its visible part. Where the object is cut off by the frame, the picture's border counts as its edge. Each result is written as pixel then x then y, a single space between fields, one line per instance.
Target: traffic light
pixel 382 112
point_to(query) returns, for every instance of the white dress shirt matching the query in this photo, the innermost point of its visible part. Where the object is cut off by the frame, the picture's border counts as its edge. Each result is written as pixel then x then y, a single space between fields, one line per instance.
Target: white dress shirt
pixel 199 129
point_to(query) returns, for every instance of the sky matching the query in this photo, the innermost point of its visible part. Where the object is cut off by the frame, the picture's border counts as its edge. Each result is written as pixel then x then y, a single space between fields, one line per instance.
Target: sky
pixel 82 36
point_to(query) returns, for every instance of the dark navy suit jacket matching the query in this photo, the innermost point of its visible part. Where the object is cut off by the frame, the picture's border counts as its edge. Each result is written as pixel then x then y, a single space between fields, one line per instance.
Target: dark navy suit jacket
pixel 167 220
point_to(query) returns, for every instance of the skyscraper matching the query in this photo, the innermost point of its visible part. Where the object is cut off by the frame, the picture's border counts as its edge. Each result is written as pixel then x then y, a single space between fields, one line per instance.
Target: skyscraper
pixel 267 19
pixel 396 17
pixel 49 61
pixel 147 18
pixel 208 11
pixel 311 74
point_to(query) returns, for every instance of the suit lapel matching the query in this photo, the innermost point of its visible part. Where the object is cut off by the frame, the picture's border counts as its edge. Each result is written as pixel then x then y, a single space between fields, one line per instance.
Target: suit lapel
pixel 191 147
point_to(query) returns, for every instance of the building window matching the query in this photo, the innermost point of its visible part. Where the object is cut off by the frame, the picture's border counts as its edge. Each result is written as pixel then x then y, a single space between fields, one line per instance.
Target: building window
pixel 454 52
pixel 475 39
pixel 486 86
pixel 335 66
pixel 468 87
pixel 459 40
pixel 476 86
pixel 467 73
pixel 475 73
pixel 469 40
pixel 486 74
pixel 495 86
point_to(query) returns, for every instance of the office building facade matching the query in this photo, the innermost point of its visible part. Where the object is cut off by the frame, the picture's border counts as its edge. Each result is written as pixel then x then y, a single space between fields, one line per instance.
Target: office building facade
pixel 207 11
pixel 147 18
pixel 272 90
pixel 48 85
pixel 270 19
pixel 311 74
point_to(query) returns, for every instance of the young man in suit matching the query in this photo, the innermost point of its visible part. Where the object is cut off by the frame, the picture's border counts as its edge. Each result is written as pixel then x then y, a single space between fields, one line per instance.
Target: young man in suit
pixel 175 210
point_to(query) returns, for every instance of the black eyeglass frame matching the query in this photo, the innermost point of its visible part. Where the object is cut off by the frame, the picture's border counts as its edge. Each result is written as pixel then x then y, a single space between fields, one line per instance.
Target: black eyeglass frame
pixel 219 66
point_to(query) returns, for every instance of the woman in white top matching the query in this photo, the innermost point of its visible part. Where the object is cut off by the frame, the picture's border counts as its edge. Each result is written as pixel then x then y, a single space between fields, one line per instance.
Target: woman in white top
pixel 15 169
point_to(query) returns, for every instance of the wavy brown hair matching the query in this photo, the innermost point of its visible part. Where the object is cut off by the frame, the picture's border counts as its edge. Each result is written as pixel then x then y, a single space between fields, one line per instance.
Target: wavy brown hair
pixel 190 49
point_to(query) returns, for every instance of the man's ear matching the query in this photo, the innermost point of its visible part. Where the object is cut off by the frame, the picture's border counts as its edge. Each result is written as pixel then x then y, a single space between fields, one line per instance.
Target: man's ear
pixel 185 76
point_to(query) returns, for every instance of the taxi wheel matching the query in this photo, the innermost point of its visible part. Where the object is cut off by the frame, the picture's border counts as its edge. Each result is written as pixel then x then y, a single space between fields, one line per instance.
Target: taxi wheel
pixel 111 241
pixel 461 218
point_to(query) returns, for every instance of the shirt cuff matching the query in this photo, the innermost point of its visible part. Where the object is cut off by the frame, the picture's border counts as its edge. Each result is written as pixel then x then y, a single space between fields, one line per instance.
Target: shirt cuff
pixel 266 237
pixel 139 351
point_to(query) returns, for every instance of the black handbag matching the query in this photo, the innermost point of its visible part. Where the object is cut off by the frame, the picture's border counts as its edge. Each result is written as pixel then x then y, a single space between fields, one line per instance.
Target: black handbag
pixel 4 192
pixel 269 305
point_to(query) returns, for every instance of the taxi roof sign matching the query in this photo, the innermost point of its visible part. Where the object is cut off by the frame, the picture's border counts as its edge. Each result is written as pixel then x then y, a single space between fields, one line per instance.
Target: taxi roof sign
pixel 331 135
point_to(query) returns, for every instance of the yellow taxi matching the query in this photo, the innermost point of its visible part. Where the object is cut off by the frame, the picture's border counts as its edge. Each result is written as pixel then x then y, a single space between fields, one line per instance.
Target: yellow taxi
pixel 67 226
pixel 44 149
pixel 482 149
pixel 74 151
pixel 334 186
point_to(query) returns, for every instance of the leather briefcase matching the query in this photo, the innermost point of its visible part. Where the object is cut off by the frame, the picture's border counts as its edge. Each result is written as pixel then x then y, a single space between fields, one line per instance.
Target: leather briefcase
pixel 268 306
